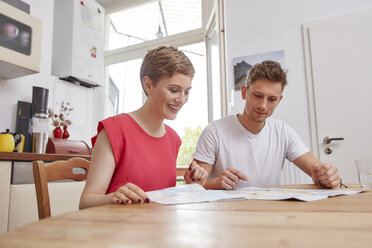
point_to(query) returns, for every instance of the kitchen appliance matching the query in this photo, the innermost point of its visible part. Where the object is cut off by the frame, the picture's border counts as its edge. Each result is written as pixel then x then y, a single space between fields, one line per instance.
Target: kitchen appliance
pixel 40 119
pixel 40 102
pixel 24 123
pixel 33 118
pixel 39 142
pixel 8 141
pixel 19 4
pixel 78 42
pixel 20 42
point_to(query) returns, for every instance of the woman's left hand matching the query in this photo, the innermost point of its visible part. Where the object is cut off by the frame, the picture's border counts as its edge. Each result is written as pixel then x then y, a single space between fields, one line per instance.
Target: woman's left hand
pixel 196 174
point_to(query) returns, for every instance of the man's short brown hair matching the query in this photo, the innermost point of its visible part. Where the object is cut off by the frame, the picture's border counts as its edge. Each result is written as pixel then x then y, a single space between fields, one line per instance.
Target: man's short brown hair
pixel 269 70
pixel 164 61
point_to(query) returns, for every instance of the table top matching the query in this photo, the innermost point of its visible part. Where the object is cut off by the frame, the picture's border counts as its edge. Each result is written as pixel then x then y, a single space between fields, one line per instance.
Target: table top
pixel 342 221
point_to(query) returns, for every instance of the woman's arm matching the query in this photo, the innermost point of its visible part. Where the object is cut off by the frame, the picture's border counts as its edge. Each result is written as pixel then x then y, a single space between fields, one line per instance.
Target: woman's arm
pixel 101 169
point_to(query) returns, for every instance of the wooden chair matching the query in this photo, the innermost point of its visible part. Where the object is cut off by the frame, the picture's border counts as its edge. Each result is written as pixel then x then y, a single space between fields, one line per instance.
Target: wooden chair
pixel 74 168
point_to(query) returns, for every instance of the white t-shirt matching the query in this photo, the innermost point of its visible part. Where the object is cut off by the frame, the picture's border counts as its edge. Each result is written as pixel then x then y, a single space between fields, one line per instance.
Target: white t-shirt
pixel 227 143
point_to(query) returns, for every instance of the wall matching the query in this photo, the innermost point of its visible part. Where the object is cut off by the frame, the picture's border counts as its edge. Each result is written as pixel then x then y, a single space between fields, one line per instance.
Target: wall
pixel 259 26
pixel 83 117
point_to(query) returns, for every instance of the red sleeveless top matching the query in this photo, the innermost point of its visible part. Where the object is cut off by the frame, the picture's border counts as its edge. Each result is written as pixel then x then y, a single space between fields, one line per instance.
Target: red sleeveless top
pixel 146 161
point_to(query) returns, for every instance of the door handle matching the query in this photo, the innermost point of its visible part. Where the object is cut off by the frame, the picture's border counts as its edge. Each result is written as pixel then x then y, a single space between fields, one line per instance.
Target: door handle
pixel 328 140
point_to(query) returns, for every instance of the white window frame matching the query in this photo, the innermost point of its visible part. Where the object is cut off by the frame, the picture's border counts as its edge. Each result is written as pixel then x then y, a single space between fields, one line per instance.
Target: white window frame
pixel 215 17
pixel 139 50
pixel 216 20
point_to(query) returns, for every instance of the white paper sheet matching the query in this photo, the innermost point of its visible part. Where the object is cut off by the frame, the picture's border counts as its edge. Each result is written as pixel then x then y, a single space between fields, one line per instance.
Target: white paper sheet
pixel 189 193
pixel 193 193
pixel 283 194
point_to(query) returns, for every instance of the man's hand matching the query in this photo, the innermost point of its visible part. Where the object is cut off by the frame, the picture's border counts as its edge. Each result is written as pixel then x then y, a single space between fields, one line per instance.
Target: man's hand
pixel 229 178
pixel 196 174
pixel 326 175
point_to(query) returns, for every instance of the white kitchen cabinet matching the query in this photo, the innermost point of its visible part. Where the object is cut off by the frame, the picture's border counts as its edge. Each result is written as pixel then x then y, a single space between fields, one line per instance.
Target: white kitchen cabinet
pixel 64 197
pixel 22 205
pixel 5 172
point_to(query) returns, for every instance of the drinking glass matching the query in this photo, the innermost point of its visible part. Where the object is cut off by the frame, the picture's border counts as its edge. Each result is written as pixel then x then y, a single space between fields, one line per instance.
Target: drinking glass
pixel 364 167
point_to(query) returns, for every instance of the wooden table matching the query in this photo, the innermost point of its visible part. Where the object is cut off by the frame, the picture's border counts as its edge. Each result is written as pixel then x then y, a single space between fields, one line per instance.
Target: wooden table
pixel 342 221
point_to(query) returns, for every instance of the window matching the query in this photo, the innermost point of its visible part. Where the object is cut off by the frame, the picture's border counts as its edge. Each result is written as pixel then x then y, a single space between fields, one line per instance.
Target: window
pixel 215 83
pixel 193 116
pixel 153 20
pixel 126 78
pixel 135 30
pixel 216 63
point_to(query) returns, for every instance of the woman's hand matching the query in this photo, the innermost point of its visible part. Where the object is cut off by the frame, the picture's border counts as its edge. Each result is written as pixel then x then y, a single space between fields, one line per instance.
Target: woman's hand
pixel 196 174
pixel 129 193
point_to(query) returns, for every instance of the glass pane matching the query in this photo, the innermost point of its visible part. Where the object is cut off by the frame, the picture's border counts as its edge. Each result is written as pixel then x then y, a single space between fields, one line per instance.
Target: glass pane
pixel 193 116
pixel 153 20
pixel 126 78
pixel 215 75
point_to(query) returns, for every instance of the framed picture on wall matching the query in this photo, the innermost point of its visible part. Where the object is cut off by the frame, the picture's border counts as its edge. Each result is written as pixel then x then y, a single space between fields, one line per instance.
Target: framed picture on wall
pixel 243 64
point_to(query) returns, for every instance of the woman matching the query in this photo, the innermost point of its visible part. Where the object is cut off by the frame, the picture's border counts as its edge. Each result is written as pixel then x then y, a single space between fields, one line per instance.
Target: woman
pixel 137 152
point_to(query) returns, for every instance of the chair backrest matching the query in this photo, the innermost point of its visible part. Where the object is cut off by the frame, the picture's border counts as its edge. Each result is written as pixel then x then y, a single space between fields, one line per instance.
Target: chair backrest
pixel 74 168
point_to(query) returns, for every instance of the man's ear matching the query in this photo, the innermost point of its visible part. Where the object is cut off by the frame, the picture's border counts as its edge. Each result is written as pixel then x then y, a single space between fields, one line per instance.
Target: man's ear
pixel 147 84
pixel 243 91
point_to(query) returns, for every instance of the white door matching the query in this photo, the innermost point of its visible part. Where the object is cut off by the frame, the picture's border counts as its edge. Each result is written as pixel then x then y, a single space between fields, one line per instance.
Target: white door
pixel 339 72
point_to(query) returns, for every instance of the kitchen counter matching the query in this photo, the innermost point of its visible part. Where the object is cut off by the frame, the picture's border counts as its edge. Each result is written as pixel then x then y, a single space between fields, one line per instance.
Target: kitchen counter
pixel 27 156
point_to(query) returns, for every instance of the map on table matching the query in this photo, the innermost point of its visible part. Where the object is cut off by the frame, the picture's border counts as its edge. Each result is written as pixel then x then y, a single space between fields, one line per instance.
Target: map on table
pixel 189 193
pixel 194 193
pixel 284 194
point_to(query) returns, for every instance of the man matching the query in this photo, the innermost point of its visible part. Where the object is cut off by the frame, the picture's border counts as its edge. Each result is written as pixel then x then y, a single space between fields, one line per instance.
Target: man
pixel 249 149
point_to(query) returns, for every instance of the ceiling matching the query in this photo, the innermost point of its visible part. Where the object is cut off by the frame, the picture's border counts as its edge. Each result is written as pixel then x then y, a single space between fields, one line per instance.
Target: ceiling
pixel 133 22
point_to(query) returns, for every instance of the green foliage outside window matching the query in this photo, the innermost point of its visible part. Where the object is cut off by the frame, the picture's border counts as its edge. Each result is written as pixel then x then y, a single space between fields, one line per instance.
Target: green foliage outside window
pixel 188 145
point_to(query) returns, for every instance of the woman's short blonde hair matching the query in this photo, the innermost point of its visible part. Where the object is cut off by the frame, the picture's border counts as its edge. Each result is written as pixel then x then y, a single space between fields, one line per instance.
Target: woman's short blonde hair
pixel 164 61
